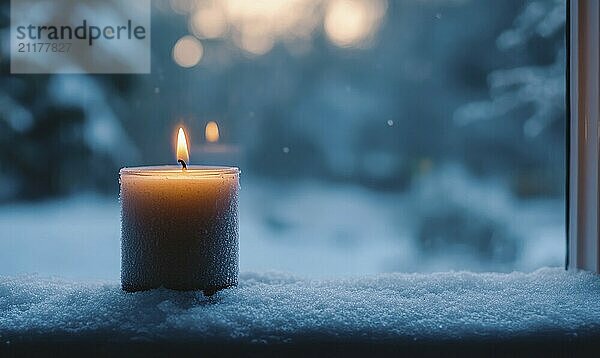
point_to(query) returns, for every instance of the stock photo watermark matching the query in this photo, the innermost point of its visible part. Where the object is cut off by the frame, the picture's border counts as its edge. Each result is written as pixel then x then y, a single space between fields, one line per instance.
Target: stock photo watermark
pixel 80 36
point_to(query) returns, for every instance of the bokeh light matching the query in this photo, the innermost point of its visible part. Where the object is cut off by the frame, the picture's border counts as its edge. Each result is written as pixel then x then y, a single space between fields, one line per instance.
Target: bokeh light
pixel 183 6
pixel 187 51
pixel 256 26
pixel 209 22
pixel 351 23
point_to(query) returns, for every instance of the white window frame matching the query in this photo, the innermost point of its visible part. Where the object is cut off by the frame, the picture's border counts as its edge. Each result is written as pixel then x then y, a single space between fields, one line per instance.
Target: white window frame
pixel 583 134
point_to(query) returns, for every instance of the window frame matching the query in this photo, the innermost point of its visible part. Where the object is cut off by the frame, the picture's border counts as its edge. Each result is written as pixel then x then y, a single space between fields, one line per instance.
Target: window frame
pixel 583 115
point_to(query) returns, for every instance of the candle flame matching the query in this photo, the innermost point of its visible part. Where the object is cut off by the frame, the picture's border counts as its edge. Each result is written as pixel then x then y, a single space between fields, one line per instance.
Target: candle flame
pixel 211 132
pixel 182 147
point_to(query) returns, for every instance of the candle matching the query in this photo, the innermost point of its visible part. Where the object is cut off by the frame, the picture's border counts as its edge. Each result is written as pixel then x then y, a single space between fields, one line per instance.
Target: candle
pixel 179 226
pixel 213 151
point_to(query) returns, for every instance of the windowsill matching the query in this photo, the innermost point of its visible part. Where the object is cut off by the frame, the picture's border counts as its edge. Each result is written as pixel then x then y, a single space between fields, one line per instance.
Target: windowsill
pixel 278 310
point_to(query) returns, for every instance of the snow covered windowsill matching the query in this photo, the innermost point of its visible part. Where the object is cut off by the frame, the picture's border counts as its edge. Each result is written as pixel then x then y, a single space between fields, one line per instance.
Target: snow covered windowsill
pixel 278 309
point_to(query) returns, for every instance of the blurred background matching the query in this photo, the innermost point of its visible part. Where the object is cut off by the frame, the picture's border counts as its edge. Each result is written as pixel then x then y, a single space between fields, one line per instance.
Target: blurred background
pixel 373 136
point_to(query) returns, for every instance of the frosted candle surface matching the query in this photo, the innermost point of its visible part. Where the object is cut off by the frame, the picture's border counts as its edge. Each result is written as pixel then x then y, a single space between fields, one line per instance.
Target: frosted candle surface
pixel 179 229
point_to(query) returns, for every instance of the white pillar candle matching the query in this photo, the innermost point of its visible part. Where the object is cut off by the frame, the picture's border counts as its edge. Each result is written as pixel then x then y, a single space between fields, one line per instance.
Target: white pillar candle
pixel 179 227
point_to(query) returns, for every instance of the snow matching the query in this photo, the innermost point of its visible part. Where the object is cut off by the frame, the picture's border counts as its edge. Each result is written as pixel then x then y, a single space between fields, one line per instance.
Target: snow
pixel 274 307
pixel 340 239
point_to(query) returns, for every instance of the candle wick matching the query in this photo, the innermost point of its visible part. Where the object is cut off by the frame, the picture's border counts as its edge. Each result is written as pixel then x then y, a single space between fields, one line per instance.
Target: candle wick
pixel 182 162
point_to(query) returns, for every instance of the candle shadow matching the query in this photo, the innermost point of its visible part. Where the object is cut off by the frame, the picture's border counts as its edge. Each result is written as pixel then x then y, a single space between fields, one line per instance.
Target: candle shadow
pixel 168 300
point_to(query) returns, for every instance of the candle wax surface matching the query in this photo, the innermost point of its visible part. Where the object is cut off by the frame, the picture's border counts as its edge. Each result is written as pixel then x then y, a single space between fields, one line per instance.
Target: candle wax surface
pixel 179 228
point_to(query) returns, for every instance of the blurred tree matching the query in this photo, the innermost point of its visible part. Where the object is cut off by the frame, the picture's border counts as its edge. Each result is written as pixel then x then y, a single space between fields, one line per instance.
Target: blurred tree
pixel 523 122
pixel 56 131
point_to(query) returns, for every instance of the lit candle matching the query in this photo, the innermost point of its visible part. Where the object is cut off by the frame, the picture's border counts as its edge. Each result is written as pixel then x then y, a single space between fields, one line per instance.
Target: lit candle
pixel 179 226
pixel 214 151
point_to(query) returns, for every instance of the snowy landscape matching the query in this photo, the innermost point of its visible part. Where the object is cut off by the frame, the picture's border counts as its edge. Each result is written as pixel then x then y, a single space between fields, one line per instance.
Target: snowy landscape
pixel 307 229
pixel 373 136
pixel 403 170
